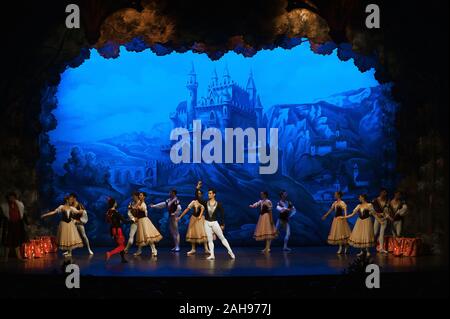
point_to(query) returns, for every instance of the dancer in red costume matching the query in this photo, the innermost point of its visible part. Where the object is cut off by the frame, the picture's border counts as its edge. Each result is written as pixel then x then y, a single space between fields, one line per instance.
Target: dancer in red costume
pixel 116 220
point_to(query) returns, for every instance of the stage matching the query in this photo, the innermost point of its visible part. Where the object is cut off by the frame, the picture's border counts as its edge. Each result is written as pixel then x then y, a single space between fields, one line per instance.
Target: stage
pixel 303 272
pixel 301 261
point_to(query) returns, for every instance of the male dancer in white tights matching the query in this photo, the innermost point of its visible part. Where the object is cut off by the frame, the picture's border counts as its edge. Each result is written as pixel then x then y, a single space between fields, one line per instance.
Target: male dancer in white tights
pixel 80 220
pixel 133 226
pixel 214 211
pixel 286 210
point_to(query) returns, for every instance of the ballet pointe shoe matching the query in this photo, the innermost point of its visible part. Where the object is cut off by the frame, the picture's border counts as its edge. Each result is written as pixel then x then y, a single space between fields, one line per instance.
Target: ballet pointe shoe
pixel 107 256
pixel 211 257
pixel 191 252
pixel 360 253
pixel 232 256
pixel 339 252
pixel 90 252
pixel 368 253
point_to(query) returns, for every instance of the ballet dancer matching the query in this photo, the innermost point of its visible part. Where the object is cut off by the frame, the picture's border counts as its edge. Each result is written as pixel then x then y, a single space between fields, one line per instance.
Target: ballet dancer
pixel 286 211
pixel 14 235
pixel 196 230
pixel 173 209
pixel 265 228
pixel 68 237
pixel 146 233
pixel 81 219
pixel 381 207
pixel 133 222
pixel 214 212
pixel 399 210
pixel 340 230
pixel 115 219
pixel 362 236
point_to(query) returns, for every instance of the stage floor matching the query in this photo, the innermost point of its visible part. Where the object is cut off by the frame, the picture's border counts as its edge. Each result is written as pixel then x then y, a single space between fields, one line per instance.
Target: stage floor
pixel 250 262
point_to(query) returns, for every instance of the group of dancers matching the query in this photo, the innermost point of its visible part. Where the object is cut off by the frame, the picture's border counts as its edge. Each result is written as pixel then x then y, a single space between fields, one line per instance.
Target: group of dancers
pixel 71 231
pixel 366 233
pixel 207 223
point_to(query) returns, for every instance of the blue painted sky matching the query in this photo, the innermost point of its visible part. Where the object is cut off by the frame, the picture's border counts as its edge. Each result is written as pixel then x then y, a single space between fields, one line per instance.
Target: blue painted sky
pixel 105 98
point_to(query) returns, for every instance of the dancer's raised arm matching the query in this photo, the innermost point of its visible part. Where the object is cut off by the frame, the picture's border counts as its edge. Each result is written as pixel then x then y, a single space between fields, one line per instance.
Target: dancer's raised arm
pixel 53 212
pixel 159 205
pixel 256 205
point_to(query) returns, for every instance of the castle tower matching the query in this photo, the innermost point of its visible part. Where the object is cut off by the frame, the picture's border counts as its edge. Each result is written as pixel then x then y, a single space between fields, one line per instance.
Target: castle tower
pixel 192 86
pixel 259 112
pixel 226 76
pixel 214 78
pixel 251 89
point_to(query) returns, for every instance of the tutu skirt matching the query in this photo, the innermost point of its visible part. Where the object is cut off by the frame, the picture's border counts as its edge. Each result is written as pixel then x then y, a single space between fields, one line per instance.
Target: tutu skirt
pixel 362 235
pixel 196 231
pixel 146 232
pixel 68 237
pixel 340 232
pixel 265 229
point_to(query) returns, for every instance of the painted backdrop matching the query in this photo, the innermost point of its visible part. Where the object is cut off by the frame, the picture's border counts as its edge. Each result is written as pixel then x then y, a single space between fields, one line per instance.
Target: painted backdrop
pixel 114 118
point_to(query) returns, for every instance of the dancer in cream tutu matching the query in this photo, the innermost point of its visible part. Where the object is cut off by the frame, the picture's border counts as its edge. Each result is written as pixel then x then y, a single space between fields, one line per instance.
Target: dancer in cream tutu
pixel 362 236
pixel 196 230
pixel 68 237
pixel 340 231
pixel 146 233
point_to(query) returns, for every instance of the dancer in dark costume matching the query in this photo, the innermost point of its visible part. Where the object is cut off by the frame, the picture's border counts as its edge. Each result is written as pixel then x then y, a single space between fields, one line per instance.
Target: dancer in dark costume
pixel 115 219
pixel 214 214
pixel 14 227
pixel 381 207
pixel 398 211
pixel 286 211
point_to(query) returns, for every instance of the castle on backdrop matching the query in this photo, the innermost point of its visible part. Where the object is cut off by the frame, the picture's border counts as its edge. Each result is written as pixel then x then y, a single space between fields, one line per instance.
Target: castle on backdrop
pixel 226 105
